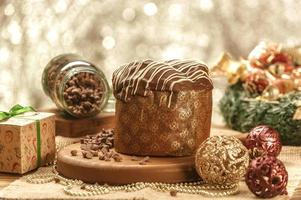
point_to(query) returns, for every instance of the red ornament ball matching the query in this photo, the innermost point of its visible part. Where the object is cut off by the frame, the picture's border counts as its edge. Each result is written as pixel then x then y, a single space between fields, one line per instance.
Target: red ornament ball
pixel 267 177
pixel 263 140
pixel 256 82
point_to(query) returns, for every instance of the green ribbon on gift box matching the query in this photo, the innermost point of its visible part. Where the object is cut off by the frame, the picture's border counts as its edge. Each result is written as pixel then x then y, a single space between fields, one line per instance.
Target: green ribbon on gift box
pixel 18 110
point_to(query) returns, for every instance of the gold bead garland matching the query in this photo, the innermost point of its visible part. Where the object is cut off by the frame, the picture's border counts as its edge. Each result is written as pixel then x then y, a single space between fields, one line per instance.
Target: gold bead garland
pixel 71 186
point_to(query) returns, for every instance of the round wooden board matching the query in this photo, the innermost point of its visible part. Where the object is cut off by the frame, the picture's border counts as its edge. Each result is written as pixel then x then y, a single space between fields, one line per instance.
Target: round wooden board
pixel 158 169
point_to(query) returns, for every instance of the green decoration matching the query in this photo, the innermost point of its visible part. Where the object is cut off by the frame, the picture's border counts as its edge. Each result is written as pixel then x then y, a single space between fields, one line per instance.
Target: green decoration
pixel 243 112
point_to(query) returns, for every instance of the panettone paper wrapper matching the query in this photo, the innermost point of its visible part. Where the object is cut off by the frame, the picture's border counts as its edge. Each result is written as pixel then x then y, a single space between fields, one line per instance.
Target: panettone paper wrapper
pixel 18 142
pixel 147 126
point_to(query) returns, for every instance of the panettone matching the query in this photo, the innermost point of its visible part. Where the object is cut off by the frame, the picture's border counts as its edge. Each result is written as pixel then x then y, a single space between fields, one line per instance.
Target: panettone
pixel 162 108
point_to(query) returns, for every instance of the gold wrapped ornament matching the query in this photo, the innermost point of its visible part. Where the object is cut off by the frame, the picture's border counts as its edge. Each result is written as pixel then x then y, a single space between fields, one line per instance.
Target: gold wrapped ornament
pixel 233 70
pixel 222 160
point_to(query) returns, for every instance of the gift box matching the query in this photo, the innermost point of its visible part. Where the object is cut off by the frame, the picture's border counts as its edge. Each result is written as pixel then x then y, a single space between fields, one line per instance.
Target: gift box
pixel 27 141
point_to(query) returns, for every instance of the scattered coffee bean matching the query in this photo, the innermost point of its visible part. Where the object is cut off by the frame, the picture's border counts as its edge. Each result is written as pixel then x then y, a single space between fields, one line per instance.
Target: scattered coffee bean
pixel 173 193
pixel 89 146
pixel 142 163
pixel 84 153
pixel 95 147
pixel 73 152
pixel 145 159
pixel 87 154
pixel 94 153
pixel 83 147
pixel 57 180
pixel 134 158
pixel 109 154
pixel 101 157
pixel 117 158
pixel 100 145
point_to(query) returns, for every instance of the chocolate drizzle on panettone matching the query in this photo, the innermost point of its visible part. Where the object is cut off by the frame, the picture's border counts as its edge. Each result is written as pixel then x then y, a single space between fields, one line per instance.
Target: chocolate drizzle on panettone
pixel 139 77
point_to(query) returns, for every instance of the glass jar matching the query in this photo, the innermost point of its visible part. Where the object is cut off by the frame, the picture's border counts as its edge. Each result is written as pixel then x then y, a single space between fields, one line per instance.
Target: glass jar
pixel 76 86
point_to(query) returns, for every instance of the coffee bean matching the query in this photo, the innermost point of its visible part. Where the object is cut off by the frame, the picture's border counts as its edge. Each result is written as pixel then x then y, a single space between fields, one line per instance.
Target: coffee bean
pixel 109 144
pixel 83 147
pixel 88 155
pixel 89 145
pixel 117 158
pixel 94 153
pixel 95 146
pixel 73 152
pixel 145 159
pixel 142 163
pixel 57 180
pixel 173 193
pixel 101 156
pixel 109 154
pixel 104 150
pixel 75 91
pixel 134 158
pixel 84 153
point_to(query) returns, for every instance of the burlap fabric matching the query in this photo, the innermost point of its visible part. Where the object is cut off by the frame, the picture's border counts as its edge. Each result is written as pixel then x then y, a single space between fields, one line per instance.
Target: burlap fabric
pixel 20 189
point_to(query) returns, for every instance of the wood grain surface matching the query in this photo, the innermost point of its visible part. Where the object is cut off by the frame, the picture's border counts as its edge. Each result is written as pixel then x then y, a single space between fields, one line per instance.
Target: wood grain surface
pixel 6 179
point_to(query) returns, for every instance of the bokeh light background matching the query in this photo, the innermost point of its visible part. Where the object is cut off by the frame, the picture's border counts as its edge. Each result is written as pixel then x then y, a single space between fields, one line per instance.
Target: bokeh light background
pixel 113 32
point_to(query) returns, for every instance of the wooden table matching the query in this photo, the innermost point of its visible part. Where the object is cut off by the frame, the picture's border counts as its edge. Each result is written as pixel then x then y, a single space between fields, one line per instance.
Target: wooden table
pixel 6 179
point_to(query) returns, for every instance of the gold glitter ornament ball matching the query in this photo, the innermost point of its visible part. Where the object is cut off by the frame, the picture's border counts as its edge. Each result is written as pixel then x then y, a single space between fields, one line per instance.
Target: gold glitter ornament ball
pixel 222 160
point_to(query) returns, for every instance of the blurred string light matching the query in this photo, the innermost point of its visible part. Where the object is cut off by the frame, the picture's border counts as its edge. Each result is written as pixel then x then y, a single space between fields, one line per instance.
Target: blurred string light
pixel 173 52
pixel 175 11
pixel 9 10
pixel 129 14
pixel 206 5
pixel 60 6
pixel 113 32
pixel 108 42
pixel 4 54
pixel 150 9
pixel 14 30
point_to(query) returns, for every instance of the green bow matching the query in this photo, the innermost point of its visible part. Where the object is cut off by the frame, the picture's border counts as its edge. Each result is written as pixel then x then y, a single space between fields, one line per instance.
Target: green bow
pixel 14 111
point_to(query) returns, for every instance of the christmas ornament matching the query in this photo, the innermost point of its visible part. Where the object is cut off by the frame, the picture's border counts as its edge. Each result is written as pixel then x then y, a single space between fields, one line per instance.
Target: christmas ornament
pixel 278 69
pixel 256 82
pixel 284 85
pixel 268 92
pixel 265 54
pixel 267 177
pixel 230 68
pixel 263 140
pixel 221 160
